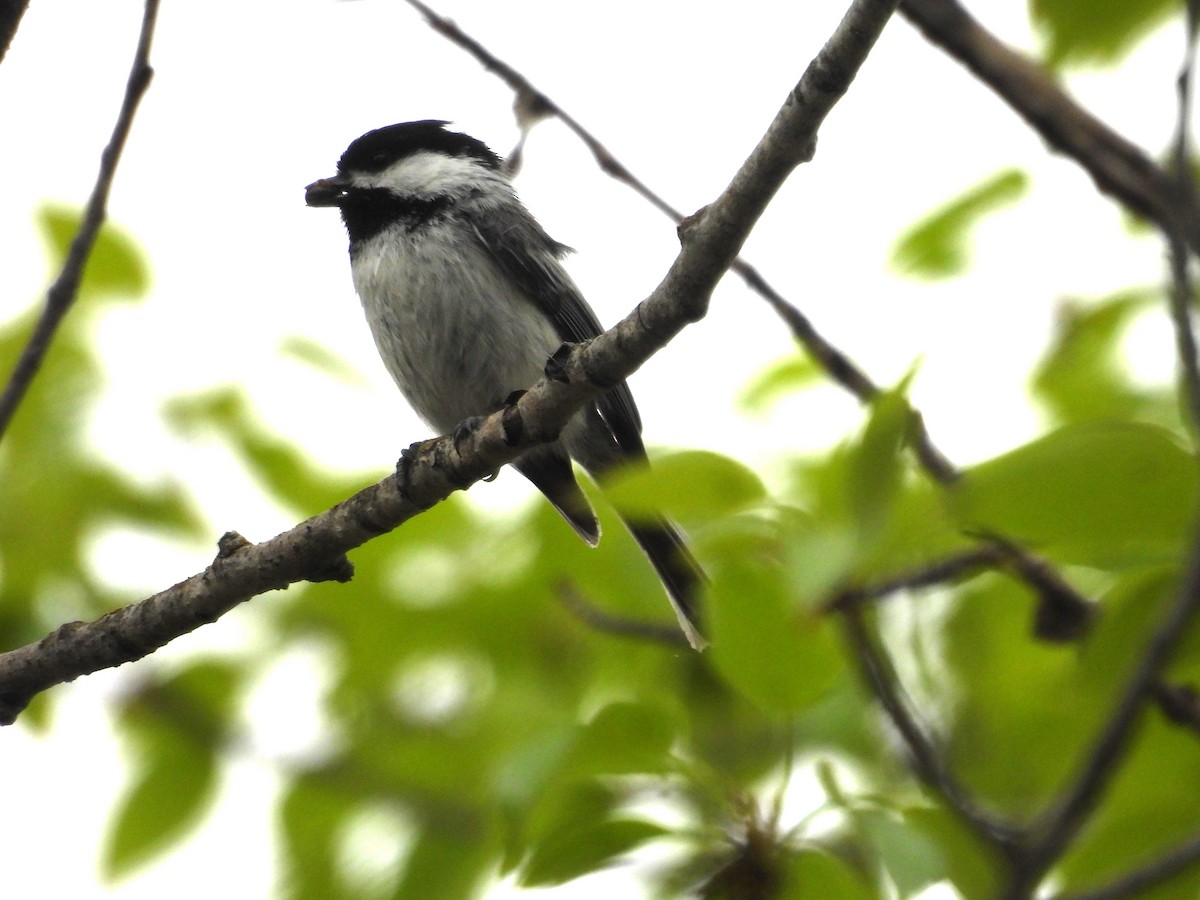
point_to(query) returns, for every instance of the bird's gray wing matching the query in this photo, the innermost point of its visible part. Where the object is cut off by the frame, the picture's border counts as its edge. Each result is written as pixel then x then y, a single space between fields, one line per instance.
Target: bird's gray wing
pixel 530 257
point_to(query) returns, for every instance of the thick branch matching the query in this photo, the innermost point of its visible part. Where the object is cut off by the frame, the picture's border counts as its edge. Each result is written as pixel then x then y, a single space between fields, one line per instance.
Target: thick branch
pixel 313 549
pixel 1118 167
pixel 62 293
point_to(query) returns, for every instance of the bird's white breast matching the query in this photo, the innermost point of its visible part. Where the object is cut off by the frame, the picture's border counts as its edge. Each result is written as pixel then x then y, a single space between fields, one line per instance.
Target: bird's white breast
pixel 456 335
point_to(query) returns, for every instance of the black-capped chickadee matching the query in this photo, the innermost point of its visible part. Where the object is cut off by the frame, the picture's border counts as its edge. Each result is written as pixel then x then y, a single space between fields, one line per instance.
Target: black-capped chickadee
pixel 466 299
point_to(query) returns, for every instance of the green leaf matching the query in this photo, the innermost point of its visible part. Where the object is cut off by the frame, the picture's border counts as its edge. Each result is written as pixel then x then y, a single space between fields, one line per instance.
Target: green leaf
pixel 691 485
pixel 1084 31
pixel 814 873
pixel 875 468
pixel 911 860
pixel 936 246
pixel 624 738
pixel 587 847
pixel 778 380
pixel 320 358
pixel 115 268
pixel 779 656
pixel 174 783
pixel 1082 377
pixel 971 867
pixel 311 816
pixel 448 860
pixel 1099 493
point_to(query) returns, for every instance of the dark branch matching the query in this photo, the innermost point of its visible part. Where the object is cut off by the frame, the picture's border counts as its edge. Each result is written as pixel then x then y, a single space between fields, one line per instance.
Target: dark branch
pixel 11 12
pixel 1119 168
pixel 1181 294
pixel 943 571
pixel 606 622
pixel 313 548
pixel 925 756
pixel 62 293
pixel 1063 822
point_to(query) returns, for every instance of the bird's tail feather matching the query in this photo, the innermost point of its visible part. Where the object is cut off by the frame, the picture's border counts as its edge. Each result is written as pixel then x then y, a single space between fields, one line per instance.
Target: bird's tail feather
pixel 681 575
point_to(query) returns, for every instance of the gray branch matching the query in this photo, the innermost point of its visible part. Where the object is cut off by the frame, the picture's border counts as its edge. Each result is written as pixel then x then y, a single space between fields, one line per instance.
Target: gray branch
pixel 314 549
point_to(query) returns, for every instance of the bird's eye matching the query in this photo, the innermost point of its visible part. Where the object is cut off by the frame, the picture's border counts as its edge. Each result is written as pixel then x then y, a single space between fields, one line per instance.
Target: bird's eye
pixel 379 159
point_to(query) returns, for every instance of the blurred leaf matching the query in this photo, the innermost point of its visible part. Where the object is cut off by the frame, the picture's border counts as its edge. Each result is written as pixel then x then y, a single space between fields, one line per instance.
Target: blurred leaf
pixel 624 738
pixel 912 861
pixel 174 782
pixel 779 657
pixel 1084 31
pixel 778 380
pixel 586 847
pixel 813 873
pixel 448 860
pixel 280 466
pixel 54 493
pixel 311 814
pixel 875 468
pixel 115 268
pixel 973 870
pixel 1099 493
pixel 690 485
pixel 1022 712
pixel 1081 378
pixel 936 247
pixel 320 358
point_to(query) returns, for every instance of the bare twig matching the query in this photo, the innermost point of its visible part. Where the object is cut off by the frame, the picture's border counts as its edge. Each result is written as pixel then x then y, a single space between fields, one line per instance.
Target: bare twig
pixel 1168 866
pixel 927 761
pixel 1182 296
pixel 62 293
pixel 606 622
pixel 1119 168
pixel 313 549
pixel 952 568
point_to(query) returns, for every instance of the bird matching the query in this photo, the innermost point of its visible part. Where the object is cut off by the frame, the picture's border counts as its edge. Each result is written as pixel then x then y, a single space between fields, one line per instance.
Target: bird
pixel 467 298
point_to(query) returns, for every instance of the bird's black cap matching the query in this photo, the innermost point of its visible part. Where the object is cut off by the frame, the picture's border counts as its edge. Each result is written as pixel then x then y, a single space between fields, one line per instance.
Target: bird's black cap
pixel 378 149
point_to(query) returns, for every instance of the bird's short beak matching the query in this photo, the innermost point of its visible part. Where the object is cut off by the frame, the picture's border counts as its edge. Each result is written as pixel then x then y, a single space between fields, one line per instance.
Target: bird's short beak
pixel 326 192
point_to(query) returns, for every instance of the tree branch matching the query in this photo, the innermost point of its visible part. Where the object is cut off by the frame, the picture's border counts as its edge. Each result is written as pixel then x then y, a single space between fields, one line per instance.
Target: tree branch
pixel 62 293
pixel 1118 167
pixel 1063 821
pixel 11 12
pixel 925 756
pixel 313 549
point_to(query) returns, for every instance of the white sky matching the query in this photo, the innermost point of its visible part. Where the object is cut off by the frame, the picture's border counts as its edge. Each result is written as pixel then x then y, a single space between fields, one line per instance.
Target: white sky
pixel 252 101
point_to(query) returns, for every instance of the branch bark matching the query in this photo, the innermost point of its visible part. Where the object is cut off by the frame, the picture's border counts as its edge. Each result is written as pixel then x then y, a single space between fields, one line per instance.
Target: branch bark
pixel 1119 168
pixel 312 550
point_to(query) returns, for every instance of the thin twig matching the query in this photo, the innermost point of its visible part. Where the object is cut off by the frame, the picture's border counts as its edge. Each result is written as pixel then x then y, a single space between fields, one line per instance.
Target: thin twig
pixel 1182 296
pixel 1119 168
pixel 62 293
pixel 926 758
pixel 435 469
pixel 1076 804
pixel 603 621
pixel 952 568
pixel 1168 866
